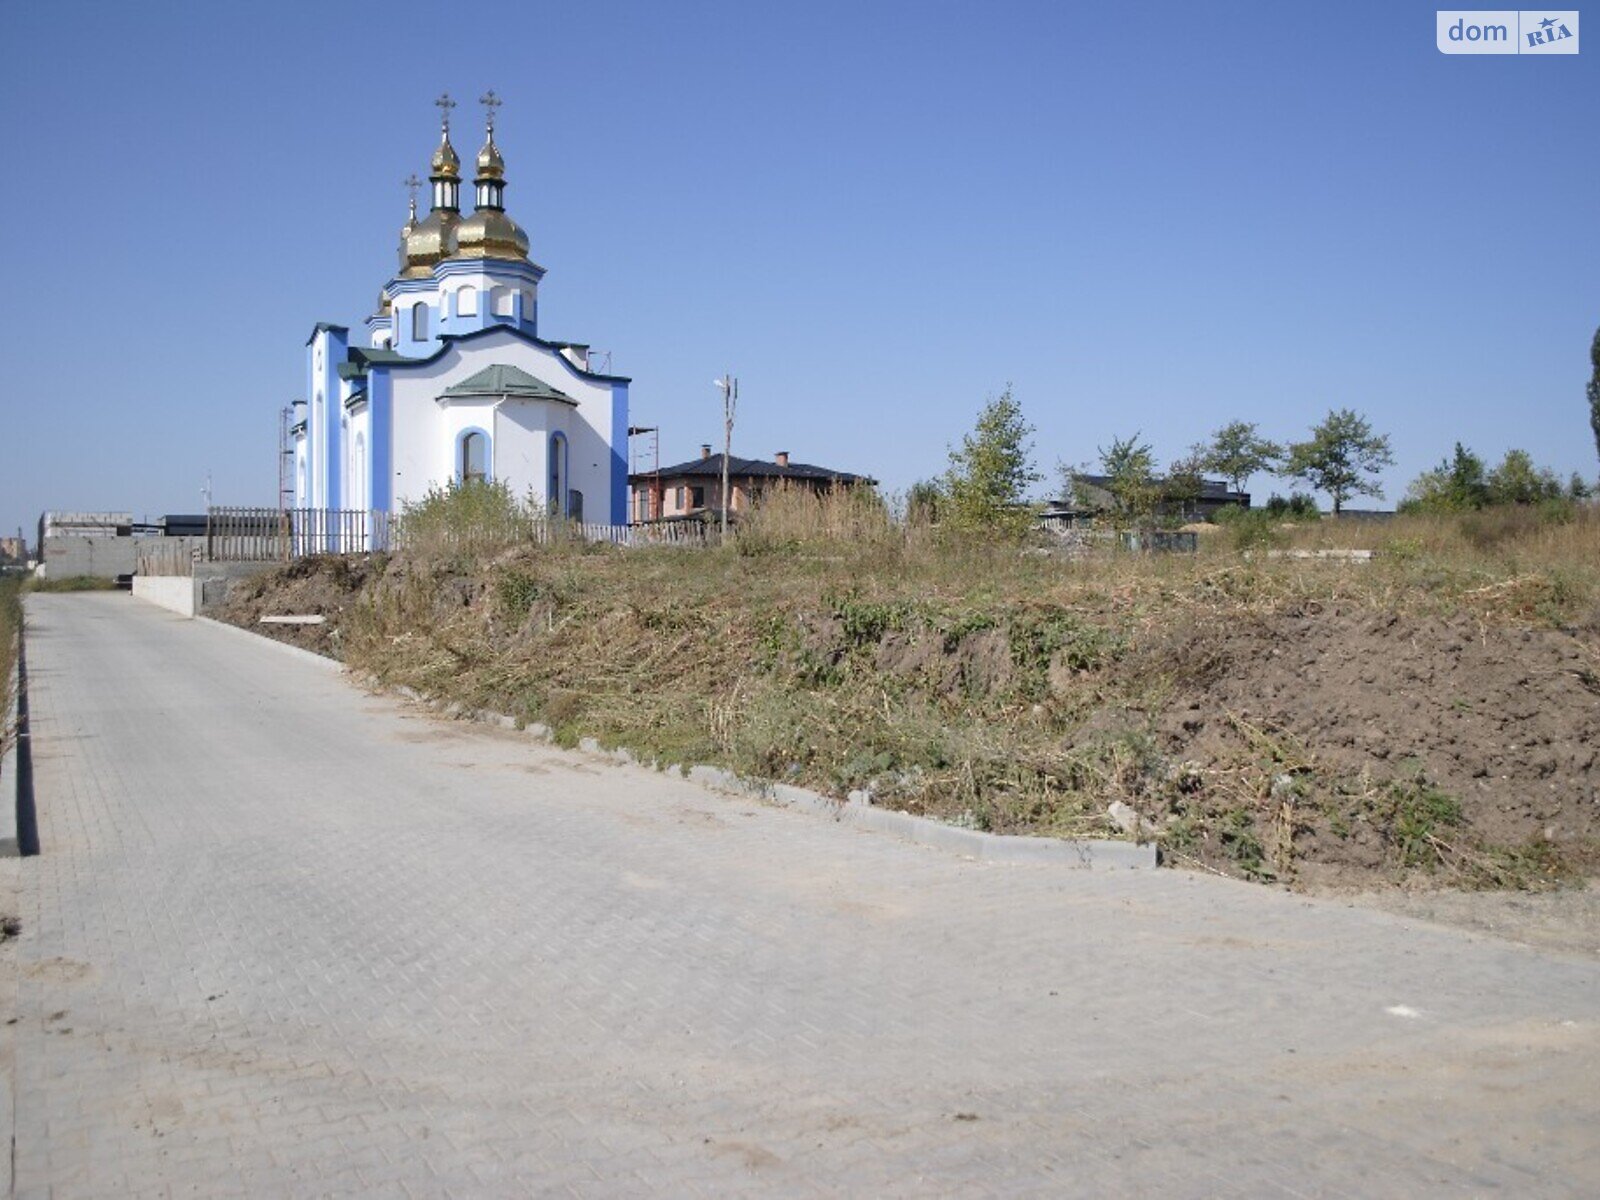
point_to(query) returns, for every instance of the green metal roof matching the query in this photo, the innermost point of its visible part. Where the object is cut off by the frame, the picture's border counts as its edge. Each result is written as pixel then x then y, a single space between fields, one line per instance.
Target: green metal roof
pixel 502 380
pixel 380 354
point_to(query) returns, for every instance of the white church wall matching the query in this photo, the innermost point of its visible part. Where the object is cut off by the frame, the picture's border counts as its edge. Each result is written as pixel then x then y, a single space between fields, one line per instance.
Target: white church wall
pixel 302 482
pixel 358 458
pixel 425 432
pixel 416 430
pixel 522 441
pixel 325 351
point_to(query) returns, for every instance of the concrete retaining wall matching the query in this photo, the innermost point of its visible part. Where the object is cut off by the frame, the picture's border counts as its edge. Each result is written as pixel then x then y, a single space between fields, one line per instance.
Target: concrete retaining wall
pixel 67 557
pixel 214 581
pixel 176 593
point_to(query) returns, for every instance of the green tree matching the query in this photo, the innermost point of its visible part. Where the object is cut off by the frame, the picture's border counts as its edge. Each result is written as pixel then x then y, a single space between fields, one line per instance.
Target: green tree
pixel 925 502
pixel 1594 390
pixel 1130 469
pixel 1237 452
pixel 987 483
pixel 1185 480
pixel 1517 481
pixel 1341 458
pixel 1458 484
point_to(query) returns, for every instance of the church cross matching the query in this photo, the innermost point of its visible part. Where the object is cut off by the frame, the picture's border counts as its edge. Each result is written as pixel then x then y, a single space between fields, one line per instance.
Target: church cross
pixel 445 105
pixel 411 183
pixel 490 102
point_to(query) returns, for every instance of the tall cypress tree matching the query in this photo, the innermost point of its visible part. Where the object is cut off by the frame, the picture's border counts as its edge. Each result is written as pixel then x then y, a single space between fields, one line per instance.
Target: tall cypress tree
pixel 1594 391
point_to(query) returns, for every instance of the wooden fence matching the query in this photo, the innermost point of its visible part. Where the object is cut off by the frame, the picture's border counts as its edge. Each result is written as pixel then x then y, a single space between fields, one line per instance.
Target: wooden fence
pixel 167 556
pixel 273 535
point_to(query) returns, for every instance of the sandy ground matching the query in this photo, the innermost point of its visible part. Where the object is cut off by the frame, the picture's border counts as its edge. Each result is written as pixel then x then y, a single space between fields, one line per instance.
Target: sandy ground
pixel 1568 920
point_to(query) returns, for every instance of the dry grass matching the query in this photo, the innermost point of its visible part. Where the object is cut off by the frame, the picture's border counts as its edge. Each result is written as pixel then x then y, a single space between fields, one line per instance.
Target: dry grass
pixel 984 682
pixel 10 635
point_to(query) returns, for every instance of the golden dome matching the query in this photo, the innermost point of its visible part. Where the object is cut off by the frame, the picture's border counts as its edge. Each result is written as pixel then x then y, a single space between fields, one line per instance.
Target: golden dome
pixel 432 241
pixel 490 164
pixel 445 163
pixel 489 233
pixel 385 305
pixel 405 234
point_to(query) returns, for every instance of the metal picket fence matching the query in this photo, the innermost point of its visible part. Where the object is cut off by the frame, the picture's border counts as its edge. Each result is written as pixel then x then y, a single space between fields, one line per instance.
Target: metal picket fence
pixel 274 535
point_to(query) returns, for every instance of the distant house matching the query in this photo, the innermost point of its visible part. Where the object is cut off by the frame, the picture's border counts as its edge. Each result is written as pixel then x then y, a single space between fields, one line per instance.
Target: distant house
pixel 694 488
pixel 1093 497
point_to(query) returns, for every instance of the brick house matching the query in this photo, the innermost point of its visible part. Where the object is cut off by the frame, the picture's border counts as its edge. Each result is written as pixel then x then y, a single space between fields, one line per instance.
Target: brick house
pixel 693 489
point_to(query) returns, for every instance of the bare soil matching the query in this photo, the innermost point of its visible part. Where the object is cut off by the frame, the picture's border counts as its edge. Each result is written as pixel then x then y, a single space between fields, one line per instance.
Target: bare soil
pixel 1505 720
pixel 323 586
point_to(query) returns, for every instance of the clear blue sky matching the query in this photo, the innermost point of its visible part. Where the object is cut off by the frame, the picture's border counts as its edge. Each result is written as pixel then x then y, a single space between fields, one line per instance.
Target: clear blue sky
pixel 1150 218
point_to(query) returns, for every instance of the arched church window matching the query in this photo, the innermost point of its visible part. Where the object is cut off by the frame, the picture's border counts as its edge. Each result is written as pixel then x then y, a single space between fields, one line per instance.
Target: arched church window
pixel 502 302
pixel 527 306
pixel 419 322
pixel 358 473
pixel 467 302
pixel 558 472
pixel 473 466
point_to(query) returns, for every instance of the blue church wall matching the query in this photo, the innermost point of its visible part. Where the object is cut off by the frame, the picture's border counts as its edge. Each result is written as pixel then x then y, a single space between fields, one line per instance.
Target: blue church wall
pixel 380 405
pixel 404 342
pixel 619 462
pixel 335 347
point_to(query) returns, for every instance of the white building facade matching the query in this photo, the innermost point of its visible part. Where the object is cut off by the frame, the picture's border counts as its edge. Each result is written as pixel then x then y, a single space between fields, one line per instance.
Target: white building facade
pixel 455 383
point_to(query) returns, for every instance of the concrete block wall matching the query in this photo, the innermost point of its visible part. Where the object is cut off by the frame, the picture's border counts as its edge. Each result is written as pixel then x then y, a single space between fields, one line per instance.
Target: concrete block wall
pixel 102 557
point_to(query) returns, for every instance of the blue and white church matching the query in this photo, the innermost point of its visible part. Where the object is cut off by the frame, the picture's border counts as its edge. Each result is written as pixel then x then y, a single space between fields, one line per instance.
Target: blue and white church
pixel 455 383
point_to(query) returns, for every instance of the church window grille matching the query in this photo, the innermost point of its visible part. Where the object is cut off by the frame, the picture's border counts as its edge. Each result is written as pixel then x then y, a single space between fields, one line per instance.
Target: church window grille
pixel 575 504
pixel 558 471
pixel 474 464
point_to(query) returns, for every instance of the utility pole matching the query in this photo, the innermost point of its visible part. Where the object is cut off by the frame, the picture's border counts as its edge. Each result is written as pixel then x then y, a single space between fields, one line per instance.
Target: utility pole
pixel 730 401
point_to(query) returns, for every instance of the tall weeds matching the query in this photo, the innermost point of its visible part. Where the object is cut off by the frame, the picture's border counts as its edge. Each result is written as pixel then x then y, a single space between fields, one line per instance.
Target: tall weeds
pixel 10 640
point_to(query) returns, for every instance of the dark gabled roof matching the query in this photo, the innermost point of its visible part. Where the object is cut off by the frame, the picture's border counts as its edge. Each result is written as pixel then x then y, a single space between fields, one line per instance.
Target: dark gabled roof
pixel 1210 489
pixel 752 468
pixel 380 354
pixel 503 380
pixel 324 325
pixel 362 356
pixel 358 358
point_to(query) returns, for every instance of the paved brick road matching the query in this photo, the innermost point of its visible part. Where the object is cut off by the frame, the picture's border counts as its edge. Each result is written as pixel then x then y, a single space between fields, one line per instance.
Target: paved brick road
pixel 287 938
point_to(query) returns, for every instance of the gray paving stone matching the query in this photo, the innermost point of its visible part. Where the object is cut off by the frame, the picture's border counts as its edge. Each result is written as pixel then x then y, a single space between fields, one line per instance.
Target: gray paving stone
pixel 311 941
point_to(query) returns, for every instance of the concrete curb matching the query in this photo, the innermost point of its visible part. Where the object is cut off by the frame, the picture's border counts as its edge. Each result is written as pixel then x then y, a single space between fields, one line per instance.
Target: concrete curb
pixel 925 831
pixel 321 660
pixel 19 824
pixel 1099 854
pixel 10 777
